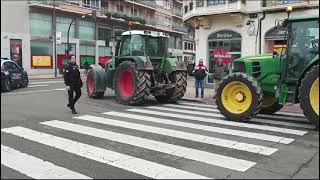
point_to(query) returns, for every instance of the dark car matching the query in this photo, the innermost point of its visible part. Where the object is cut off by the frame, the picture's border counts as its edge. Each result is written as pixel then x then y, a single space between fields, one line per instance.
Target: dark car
pixel 12 75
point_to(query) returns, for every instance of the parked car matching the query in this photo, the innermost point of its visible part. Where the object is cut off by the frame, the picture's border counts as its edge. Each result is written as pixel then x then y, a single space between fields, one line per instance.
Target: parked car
pixel 12 75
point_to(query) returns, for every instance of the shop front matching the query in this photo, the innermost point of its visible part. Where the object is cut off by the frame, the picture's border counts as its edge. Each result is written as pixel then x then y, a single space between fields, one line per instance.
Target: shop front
pixel 224 47
pixel 275 40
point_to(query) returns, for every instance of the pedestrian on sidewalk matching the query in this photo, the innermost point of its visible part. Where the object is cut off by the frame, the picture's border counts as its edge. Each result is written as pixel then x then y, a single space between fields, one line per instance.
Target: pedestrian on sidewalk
pixel 200 72
pixel 220 70
pixel 73 82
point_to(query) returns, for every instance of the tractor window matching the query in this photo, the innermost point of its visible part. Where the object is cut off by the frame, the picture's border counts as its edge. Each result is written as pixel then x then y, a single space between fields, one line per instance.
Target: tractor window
pixel 137 45
pixel 125 46
pixel 303 42
pixel 156 46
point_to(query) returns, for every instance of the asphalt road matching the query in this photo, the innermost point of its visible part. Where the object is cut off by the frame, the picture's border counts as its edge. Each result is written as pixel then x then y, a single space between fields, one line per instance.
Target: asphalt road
pixel 40 138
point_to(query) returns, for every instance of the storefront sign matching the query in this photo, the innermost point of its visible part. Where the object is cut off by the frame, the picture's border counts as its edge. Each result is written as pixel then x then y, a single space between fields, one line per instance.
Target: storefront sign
pixel 225 35
pixel 222 55
pixel 275 34
pixel 41 61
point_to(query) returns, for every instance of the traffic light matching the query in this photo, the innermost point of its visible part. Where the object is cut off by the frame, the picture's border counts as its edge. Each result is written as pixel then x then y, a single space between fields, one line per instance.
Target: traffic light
pixel 94 15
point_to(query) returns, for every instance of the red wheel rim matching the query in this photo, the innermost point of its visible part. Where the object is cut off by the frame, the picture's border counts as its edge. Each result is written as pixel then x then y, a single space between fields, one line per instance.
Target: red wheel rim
pixel 126 85
pixel 91 85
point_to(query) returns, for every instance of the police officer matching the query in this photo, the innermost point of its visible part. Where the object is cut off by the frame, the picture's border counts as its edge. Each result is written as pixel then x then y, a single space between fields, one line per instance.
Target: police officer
pixel 73 82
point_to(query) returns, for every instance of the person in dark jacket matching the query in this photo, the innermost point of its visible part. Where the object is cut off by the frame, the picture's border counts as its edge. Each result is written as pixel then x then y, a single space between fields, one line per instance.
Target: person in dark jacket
pixel 200 72
pixel 73 82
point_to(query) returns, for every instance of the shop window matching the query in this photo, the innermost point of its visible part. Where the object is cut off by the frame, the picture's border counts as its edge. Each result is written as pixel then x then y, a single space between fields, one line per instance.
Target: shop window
pixel 63 25
pixel 41 54
pixel 40 24
pixel 86 30
pixel 87 55
pixel 104 33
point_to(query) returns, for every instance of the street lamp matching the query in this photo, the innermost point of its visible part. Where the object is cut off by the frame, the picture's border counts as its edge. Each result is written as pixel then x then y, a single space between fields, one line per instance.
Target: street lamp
pixel 94 17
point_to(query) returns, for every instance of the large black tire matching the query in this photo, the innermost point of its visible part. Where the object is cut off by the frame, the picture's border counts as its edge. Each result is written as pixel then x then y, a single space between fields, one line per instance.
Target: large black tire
pixel 247 82
pixel 304 95
pixel 92 93
pixel 7 85
pixel 141 83
pixel 174 95
pixel 270 105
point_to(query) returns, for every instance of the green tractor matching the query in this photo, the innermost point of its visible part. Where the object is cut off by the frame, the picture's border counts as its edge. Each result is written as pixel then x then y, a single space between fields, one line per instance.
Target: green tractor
pixel 141 67
pixel 264 83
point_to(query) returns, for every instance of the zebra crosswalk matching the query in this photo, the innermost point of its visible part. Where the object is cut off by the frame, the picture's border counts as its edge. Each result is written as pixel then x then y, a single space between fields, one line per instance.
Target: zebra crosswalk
pixel 161 142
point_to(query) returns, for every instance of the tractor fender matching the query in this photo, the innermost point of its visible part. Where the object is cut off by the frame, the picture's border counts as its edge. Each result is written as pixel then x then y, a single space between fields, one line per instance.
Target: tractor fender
pixel 143 63
pixel 99 78
pixel 173 64
pixel 312 63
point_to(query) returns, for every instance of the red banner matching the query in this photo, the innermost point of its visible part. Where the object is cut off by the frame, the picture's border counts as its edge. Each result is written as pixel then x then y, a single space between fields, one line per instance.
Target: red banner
pixel 222 56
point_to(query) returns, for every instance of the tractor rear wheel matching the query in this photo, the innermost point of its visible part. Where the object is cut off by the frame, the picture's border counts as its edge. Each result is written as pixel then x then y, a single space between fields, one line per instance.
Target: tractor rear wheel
pixel 175 94
pixel 309 95
pixel 91 88
pixel 132 87
pixel 239 97
pixel 270 105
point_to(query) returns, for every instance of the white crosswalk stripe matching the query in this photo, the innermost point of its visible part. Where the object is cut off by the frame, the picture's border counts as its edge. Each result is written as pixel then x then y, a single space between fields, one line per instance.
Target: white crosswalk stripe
pixel 210 158
pixel 34 167
pixel 225 122
pixel 214 110
pixel 140 123
pixel 112 158
pixel 246 134
pixel 182 135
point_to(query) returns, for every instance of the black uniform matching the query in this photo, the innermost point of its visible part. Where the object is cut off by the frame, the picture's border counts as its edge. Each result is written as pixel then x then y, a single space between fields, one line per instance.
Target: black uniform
pixel 72 78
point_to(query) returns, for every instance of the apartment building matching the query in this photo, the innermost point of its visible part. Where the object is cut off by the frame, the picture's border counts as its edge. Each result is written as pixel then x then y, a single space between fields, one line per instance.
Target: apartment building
pixel 27 29
pixel 236 28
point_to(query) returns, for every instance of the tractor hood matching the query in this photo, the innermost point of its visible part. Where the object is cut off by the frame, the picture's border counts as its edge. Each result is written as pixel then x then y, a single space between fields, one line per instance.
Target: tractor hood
pixel 258 57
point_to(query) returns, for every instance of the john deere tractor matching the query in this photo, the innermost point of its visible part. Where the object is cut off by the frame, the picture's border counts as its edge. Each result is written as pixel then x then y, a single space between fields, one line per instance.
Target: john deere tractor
pixel 264 83
pixel 141 67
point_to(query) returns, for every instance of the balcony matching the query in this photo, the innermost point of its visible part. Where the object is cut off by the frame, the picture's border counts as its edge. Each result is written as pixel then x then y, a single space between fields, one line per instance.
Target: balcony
pixel 212 7
pixel 151 4
pixel 282 4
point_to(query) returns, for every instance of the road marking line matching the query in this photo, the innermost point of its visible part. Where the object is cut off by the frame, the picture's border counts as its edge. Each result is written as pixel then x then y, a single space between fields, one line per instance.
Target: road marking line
pixel 290 114
pixel 123 161
pixel 186 111
pixel 188 153
pixel 46 82
pixel 26 92
pixel 309 126
pixel 34 167
pixel 214 110
pixel 251 135
pixel 226 122
pixel 180 134
pixel 196 104
pixel 40 85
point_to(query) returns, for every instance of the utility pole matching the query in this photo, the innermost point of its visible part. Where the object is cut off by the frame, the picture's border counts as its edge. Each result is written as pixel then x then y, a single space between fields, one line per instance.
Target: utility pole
pixel 54 38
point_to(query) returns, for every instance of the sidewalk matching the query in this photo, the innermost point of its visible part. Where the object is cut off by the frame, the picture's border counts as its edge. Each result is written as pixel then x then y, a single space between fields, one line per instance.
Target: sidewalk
pixel 190 96
pixel 50 76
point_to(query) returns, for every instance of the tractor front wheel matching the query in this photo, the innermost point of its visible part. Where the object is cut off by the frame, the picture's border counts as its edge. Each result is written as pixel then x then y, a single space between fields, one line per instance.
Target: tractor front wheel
pixel 132 87
pixel 309 95
pixel 239 97
pixel 175 94
pixel 91 86
pixel 270 105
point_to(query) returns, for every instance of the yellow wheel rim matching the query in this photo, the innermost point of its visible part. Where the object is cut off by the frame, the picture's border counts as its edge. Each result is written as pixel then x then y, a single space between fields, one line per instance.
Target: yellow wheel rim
pixel 268 101
pixel 236 97
pixel 314 96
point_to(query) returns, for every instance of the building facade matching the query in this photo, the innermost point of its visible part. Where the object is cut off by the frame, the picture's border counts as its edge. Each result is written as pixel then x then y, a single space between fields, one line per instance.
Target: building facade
pixel 229 29
pixel 27 29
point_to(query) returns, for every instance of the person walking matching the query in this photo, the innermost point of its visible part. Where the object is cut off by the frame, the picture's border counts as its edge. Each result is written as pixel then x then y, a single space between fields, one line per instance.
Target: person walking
pixel 200 72
pixel 73 82
pixel 220 70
